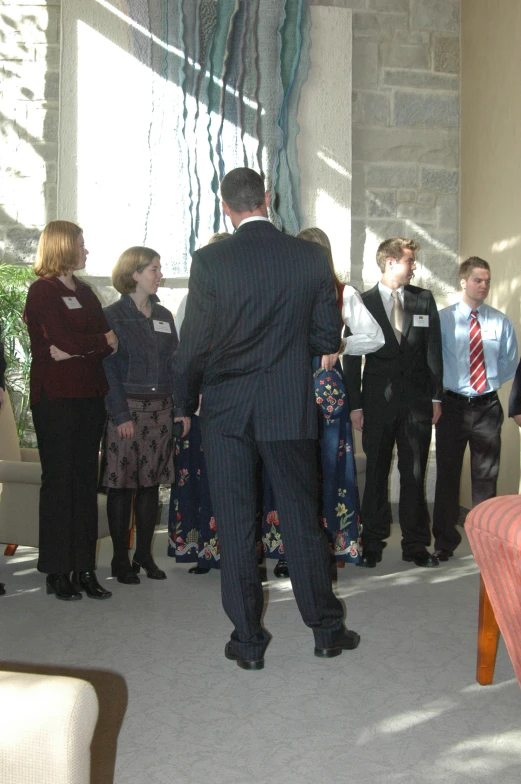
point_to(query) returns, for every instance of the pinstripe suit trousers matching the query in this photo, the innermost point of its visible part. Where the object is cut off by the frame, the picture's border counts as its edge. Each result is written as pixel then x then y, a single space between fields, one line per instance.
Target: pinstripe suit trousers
pixel 292 469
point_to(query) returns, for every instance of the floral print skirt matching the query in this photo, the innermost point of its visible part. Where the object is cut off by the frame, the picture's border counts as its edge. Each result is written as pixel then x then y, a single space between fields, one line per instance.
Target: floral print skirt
pixel 148 458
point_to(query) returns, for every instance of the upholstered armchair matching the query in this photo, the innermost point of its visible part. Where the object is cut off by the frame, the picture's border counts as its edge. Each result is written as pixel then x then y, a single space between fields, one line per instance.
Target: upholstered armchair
pixel 494 532
pixel 47 726
pixel 20 480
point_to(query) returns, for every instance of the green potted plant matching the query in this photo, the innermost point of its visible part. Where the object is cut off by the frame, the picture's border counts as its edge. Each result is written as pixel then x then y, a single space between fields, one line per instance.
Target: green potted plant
pixel 15 279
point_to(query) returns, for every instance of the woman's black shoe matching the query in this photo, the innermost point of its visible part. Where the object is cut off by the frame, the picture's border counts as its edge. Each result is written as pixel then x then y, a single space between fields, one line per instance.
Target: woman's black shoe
pixel 125 575
pixel 152 570
pixel 88 582
pixel 60 586
pixel 198 570
pixel 281 569
pixel 2 589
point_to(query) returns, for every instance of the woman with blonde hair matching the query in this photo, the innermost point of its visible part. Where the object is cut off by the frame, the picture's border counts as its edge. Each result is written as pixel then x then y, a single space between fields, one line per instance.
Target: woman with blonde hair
pixel 66 322
pixel 138 450
pixel 340 511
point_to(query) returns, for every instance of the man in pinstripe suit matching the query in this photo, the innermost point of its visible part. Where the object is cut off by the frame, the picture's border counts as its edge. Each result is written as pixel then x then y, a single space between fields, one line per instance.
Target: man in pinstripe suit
pixel 260 304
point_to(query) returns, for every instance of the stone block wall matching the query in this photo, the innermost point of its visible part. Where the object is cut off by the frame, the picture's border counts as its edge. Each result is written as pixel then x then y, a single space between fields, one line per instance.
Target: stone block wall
pixel 29 92
pixel 405 134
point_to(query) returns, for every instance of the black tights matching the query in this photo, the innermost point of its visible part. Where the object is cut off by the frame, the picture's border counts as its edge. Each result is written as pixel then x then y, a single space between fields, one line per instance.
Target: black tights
pixel 119 506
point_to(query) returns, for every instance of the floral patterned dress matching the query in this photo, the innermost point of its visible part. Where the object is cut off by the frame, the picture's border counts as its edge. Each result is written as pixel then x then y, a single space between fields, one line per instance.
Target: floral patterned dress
pixel 339 505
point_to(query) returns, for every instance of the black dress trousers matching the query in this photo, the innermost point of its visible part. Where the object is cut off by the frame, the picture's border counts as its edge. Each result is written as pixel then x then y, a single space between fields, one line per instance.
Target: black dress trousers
pixel 68 431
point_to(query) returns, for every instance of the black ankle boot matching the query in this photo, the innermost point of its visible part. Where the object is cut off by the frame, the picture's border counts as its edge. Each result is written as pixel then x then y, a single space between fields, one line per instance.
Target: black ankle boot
pixel 125 574
pixel 88 582
pixel 146 504
pixel 151 568
pixel 2 589
pixel 60 586
pixel 119 505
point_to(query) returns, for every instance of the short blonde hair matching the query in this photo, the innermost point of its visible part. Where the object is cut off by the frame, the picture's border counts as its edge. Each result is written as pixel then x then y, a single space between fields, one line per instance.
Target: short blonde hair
pixel 134 259
pixel 218 236
pixel 57 252
pixel 394 248
pixel 319 237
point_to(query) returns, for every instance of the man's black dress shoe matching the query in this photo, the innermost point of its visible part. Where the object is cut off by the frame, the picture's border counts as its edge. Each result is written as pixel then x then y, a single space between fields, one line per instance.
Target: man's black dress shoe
pixel 421 558
pixel 198 570
pixel 443 555
pixel 2 589
pixel 88 582
pixel 347 642
pixel 152 570
pixel 246 664
pixel 60 586
pixel 281 569
pixel 369 559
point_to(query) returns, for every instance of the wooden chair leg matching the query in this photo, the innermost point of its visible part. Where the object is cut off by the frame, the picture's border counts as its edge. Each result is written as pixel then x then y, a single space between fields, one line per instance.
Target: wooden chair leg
pixel 488 637
pixel 10 549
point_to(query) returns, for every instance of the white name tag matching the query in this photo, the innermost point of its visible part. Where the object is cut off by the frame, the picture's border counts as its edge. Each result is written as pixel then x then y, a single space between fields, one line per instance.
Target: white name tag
pixel 162 326
pixel 419 320
pixel 488 333
pixel 71 302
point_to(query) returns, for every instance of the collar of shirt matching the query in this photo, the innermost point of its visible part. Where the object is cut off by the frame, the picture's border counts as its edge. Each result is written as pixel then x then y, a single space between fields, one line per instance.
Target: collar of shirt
pixel 253 218
pixel 466 310
pixel 386 293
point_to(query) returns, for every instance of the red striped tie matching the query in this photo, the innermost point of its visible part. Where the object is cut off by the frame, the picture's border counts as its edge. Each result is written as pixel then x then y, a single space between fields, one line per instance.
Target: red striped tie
pixel 478 378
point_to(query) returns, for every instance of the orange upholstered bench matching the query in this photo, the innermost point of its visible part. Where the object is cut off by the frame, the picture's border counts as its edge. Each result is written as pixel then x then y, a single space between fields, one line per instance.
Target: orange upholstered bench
pixel 494 532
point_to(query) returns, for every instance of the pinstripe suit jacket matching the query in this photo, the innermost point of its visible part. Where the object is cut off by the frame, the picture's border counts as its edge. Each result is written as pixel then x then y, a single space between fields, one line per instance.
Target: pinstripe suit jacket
pixel 260 304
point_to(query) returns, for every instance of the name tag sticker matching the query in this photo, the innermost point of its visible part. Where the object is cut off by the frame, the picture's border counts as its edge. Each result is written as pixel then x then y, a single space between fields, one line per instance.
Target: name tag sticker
pixel 71 302
pixel 162 326
pixel 488 333
pixel 420 320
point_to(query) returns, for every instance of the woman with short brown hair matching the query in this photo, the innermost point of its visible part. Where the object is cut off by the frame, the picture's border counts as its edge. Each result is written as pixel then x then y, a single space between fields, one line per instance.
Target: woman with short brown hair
pixel 138 448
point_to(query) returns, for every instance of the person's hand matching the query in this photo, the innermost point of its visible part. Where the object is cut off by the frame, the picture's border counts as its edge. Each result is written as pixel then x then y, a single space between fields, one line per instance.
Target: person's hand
pixel 199 406
pixel 2 393
pixel 357 419
pixel 58 355
pixel 187 421
pixel 112 340
pixel 329 361
pixel 126 430
pixel 517 419
pixel 436 412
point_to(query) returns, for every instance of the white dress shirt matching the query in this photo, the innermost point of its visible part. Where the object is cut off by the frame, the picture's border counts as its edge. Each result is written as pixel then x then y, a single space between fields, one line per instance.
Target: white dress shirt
pixel 367 335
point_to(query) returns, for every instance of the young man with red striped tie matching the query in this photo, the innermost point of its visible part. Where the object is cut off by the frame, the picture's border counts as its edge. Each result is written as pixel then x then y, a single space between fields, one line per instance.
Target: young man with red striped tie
pixel 479 355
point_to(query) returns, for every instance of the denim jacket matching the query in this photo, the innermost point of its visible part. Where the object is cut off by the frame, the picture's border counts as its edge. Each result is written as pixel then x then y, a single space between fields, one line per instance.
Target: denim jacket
pixel 143 361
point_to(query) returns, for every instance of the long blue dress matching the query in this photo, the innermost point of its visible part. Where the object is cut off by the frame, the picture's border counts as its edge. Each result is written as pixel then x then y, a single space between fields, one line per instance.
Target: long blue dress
pixel 339 506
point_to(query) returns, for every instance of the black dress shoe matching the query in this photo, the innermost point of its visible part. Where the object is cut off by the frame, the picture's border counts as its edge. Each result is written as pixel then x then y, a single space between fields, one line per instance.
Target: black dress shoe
pixel 246 664
pixel 60 586
pixel 443 555
pixel 2 589
pixel 88 583
pixel 125 574
pixel 421 558
pixel 369 559
pixel 198 570
pixel 347 642
pixel 151 569
pixel 281 569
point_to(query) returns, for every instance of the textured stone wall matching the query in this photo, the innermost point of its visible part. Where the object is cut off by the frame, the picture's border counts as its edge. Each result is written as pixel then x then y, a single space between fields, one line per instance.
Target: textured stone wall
pixel 405 133
pixel 29 91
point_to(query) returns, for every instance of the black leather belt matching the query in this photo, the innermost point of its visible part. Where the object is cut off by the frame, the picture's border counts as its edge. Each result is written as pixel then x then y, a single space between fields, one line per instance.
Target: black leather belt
pixel 472 400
